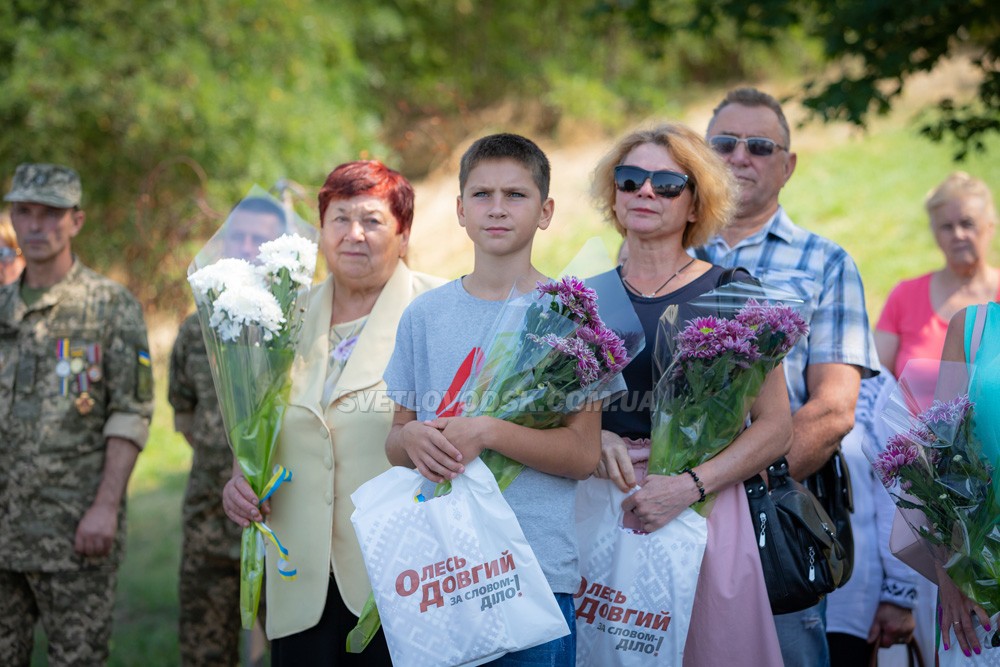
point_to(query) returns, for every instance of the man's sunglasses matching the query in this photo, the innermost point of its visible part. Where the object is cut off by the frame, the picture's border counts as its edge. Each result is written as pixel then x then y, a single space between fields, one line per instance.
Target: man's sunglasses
pixel 665 183
pixel 759 146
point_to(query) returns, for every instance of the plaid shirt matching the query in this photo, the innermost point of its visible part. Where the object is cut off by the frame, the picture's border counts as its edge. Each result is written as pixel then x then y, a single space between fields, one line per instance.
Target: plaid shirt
pixel 825 277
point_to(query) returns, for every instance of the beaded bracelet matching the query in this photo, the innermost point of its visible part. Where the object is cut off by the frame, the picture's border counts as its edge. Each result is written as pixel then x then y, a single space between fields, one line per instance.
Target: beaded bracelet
pixel 697 482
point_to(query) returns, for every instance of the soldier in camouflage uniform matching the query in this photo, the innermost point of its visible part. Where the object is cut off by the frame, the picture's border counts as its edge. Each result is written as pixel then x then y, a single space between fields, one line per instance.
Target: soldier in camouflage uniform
pixel 210 559
pixel 76 397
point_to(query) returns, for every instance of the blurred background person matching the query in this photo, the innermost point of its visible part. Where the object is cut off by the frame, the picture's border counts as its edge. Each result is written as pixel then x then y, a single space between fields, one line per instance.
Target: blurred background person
pixel 11 261
pixel 875 607
pixel 334 431
pixel 209 586
pixel 915 317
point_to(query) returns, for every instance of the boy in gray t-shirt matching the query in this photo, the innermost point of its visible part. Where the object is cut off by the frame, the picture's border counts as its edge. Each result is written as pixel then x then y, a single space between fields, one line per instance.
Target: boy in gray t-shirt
pixel 504 200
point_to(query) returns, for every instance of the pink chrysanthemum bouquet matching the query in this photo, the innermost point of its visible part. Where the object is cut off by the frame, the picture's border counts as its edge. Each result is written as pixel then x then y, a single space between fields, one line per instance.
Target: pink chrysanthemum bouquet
pixel 937 473
pixel 713 360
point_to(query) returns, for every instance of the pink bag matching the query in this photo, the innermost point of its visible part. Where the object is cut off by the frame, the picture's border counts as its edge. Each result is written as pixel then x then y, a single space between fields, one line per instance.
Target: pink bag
pixel 906 545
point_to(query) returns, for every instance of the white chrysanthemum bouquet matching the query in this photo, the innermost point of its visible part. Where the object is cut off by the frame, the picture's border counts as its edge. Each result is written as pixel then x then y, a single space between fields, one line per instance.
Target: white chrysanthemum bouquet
pixel 250 320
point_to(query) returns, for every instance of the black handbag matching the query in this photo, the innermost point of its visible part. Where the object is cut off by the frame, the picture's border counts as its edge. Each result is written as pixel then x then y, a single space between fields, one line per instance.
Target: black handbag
pixel 800 554
pixel 832 487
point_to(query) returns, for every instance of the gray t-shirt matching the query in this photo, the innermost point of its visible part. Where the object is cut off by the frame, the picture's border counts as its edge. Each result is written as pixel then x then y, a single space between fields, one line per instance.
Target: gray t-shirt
pixel 436 334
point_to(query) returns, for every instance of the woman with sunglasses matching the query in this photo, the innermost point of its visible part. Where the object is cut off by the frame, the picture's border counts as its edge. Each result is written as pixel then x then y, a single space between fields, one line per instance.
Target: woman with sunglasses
pixel 11 262
pixel 665 190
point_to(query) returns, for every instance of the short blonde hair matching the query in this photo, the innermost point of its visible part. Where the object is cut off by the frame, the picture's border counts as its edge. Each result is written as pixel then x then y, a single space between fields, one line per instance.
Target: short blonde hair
pixel 7 235
pixel 960 185
pixel 714 189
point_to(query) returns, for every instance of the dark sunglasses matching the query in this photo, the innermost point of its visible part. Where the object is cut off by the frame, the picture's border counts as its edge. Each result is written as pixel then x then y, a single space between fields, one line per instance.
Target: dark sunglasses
pixel 665 183
pixel 7 255
pixel 759 146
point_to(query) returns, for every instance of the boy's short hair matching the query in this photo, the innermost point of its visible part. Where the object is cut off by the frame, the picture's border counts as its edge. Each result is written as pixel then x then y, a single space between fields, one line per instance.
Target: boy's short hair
pixel 506 146
pixel 373 178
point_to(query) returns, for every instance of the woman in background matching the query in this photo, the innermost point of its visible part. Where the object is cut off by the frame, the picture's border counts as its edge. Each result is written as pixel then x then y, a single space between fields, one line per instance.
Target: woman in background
pixel 916 313
pixel 915 317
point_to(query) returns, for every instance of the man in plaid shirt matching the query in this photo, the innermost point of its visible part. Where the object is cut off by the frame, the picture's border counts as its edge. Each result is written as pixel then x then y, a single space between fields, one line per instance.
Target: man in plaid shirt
pixel 824 371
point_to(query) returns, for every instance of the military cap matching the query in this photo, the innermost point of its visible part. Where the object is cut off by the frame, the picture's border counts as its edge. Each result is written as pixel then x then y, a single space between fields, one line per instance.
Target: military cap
pixel 51 184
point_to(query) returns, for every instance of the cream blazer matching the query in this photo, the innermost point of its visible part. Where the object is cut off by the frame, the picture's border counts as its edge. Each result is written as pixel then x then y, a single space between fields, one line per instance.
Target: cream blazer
pixel 331 450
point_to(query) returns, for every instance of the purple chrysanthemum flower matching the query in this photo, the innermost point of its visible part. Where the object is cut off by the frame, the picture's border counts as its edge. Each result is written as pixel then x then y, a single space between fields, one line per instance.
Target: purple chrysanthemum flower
pixel 610 347
pixel 778 327
pixel 574 296
pixel 742 348
pixel 946 412
pixel 555 342
pixel 588 370
pixel 710 337
pixel 897 455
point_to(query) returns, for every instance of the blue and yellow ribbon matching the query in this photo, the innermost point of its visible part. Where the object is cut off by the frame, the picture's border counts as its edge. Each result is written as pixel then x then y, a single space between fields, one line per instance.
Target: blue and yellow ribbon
pixel 280 476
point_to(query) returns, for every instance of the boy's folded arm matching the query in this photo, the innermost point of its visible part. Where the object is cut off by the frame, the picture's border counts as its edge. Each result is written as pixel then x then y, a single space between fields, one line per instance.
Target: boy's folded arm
pixel 572 450
pixel 415 444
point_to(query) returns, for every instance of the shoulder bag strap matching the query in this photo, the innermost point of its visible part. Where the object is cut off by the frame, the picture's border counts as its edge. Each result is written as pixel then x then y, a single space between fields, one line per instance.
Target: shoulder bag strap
pixel 977 332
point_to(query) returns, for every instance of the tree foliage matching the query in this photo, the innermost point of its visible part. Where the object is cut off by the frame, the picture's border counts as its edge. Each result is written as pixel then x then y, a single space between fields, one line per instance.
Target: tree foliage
pixel 172 110
pixel 876 44
pixel 164 107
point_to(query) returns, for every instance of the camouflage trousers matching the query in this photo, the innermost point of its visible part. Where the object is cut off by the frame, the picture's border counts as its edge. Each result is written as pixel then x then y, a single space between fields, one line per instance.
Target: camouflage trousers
pixel 210 610
pixel 75 609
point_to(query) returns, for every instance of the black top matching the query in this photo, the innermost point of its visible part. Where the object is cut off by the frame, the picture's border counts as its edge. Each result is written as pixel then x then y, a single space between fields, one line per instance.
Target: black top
pixel 630 415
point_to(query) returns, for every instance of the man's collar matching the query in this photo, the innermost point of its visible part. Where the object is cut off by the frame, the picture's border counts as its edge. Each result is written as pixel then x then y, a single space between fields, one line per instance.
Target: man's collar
pixel 781 226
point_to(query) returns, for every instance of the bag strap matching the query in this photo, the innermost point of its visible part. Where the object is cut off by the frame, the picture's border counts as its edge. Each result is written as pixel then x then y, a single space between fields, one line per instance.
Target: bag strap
pixel 914 655
pixel 977 332
pixel 727 276
pixel 777 473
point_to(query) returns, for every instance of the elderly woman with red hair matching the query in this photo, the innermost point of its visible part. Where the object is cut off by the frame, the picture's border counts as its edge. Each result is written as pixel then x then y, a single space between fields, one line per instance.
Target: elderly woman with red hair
pixel 334 432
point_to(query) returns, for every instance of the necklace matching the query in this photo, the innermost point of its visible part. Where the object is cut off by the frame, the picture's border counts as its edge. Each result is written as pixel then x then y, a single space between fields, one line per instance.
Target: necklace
pixel 665 282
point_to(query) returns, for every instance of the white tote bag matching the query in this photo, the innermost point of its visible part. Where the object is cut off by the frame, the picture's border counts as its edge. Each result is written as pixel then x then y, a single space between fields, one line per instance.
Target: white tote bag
pixel 635 599
pixel 988 657
pixel 454 579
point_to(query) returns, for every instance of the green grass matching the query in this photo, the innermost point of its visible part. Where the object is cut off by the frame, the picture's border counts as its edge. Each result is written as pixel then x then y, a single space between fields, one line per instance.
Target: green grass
pixel 867 194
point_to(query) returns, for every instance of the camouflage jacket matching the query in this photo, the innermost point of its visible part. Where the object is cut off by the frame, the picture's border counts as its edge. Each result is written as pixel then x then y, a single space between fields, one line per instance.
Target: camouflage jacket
pixel 74 370
pixel 207 529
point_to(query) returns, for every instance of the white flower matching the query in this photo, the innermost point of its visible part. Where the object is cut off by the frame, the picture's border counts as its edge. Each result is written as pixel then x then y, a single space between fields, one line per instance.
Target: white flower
pixel 246 306
pixel 218 276
pixel 295 253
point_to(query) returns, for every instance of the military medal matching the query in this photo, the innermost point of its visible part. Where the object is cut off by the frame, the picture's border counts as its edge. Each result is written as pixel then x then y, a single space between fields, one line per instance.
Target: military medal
pixel 76 366
pixel 84 404
pixel 63 369
pixel 94 373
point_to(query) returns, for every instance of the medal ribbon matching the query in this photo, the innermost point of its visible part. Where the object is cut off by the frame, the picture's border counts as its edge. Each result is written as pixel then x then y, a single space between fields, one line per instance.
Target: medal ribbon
pixel 280 476
pixel 62 350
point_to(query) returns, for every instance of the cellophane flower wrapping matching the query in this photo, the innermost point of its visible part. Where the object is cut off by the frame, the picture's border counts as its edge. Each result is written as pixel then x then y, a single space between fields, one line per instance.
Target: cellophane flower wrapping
pixel 940 477
pixel 548 353
pixel 712 356
pixel 250 319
